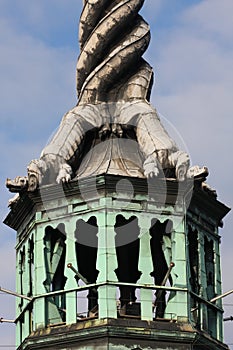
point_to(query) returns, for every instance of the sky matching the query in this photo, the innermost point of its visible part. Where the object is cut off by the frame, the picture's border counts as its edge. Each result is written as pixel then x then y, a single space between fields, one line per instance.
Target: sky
pixel 191 52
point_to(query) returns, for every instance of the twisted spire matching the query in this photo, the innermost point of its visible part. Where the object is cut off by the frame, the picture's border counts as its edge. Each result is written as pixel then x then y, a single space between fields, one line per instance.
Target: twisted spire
pixel 113 86
pixel 113 37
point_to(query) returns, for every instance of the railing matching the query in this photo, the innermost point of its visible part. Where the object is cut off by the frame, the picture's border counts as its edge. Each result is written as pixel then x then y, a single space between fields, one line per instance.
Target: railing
pixel 207 316
pixel 80 316
pixel 55 308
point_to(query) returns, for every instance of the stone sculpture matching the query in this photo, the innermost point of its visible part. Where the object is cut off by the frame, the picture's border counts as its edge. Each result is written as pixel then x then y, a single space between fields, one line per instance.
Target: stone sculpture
pixel 113 114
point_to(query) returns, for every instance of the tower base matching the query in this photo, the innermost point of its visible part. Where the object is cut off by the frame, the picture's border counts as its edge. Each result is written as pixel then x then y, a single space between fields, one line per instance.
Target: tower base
pixel 121 334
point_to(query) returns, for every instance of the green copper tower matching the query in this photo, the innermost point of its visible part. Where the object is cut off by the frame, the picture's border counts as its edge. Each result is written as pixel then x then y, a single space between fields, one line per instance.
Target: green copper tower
pixel 117 236
pixel 125 305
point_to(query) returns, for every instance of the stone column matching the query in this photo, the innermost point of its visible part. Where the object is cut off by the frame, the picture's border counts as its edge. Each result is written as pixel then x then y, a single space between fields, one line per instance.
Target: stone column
pixel 40 276
pixel 18 290
pixel 26 325
pixel 177 305
pixel 106 261
pixel 71 283
pixel 145 267
pixel 218 287
pixel 203 281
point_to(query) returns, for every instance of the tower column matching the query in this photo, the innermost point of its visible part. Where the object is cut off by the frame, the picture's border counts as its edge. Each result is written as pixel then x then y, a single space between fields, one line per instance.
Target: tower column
pixel 40 276
pixel 26 326
pixel 146 267
pixel 106 262
pixel 218 289
pixel 178 301
pixel 18 333
pixel 203 282
pixel 71 283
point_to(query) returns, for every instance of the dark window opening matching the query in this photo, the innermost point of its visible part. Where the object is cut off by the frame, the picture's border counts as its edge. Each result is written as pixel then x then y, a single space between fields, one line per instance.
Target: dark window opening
pixel 194 273
pixel 127 251
pixel 54 254
pixel 86 254
pixel 160 266
pixel 210 290
pixel 209 266
pixel 193 259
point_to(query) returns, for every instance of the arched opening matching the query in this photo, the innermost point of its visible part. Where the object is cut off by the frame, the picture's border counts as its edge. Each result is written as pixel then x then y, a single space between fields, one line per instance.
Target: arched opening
pixel 127 251
pixel 193 259
pixel 160 232
pixel 54 256
pixel 210 283
pixel 86 246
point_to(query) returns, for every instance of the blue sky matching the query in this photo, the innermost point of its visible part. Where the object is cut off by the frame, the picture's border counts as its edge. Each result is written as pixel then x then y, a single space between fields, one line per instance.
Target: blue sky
pixel 191 52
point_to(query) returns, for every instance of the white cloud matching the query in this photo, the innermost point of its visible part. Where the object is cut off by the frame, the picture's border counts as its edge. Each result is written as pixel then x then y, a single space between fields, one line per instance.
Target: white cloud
pixel 212 17
pixel 31 76
pixel 43 18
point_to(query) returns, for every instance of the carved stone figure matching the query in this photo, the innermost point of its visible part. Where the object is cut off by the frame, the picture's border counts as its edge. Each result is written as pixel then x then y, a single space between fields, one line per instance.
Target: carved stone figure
pixel 114 128
pixel 19 182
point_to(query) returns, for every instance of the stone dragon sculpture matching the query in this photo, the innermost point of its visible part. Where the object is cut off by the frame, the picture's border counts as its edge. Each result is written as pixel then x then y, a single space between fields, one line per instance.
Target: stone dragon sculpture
pixel 113 87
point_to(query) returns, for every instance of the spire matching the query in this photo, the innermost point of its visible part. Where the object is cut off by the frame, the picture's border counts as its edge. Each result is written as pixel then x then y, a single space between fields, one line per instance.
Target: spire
pixel 113 37
pixel 113 129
